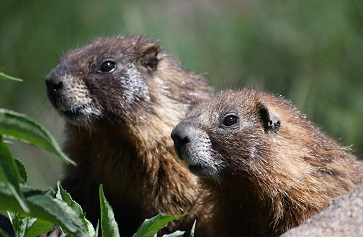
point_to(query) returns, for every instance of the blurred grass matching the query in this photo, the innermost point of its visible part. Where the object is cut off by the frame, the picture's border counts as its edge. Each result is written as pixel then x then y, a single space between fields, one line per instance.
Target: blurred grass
pixel 309 51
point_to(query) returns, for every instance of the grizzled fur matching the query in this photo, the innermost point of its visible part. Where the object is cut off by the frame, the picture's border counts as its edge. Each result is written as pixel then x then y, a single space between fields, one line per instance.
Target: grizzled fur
pixel 265 166
pixel 121 97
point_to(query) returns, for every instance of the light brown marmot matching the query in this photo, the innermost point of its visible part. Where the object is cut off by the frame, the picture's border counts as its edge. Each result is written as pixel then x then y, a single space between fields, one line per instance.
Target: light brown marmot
pixel 264 166
pixel 121 97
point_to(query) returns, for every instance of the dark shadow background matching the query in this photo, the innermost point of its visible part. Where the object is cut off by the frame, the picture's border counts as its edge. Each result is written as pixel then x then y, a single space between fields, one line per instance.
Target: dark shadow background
pixel 309 51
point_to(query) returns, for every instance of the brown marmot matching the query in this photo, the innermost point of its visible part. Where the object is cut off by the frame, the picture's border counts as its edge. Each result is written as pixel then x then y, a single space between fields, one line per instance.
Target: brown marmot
pixel 121 97
pixel 265 166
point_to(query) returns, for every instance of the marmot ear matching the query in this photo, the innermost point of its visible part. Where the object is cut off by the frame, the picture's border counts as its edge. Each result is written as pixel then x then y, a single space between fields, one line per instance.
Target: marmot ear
pixel 270 121
pixel 149 56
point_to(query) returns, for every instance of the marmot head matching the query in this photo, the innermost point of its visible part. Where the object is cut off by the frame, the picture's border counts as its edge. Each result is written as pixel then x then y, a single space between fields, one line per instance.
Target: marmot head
pixel 103 79
pixel 251 135
pixel 125 82
pixel 224 136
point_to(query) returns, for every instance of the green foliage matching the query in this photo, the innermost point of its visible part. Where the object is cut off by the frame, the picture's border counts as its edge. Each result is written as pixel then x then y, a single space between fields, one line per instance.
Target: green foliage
pixel 66 197
pixel 151 226
pixel 33 212
pixel 3 76
pixel 22 171
pixel 10 175
pixel 108 223
pixel 41 206
pixel 193 230
pixel 29 226
pixel 18 126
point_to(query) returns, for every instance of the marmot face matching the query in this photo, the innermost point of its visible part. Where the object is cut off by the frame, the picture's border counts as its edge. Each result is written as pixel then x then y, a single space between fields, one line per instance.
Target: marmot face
pixel 104 79
pixel 222 137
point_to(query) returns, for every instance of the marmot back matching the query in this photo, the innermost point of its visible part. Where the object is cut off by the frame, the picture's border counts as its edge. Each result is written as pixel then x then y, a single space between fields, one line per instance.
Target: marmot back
pixel 121 97
pixel 265 166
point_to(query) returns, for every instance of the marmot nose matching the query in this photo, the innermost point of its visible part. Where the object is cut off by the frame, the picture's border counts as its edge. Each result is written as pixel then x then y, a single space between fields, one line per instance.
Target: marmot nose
pixel 181 138
pixel 180 135
pixel 53 83
pixel 54 80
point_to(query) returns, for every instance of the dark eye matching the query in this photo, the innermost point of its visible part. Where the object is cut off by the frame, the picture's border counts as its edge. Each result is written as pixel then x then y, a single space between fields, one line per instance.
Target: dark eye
pixel 107 66
pixel 230 120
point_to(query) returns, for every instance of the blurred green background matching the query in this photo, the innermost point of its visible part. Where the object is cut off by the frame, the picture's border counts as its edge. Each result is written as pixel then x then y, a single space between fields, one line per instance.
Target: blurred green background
pixel 309 51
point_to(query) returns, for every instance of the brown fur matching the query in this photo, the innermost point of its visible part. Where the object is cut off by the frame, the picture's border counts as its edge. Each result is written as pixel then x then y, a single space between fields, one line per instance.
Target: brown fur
pixel 118 129
pixel 268 170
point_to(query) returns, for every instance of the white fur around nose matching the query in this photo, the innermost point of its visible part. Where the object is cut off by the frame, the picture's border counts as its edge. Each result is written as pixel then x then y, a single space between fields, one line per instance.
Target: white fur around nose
pixel 199 152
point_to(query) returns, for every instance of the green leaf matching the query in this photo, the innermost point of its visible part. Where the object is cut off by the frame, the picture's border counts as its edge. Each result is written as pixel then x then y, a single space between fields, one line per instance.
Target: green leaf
pixel 25 226
pixel 151 226
pixel 109 226
pixel 22 171
pixel 38 227
pixel 21 224
pixel 9 174
pixel 43 207
pixel 66 197
pixel 57 212
pixel 3 76
pixel 19 126
pixel 193 229
pixel 177 233
pixel 97 229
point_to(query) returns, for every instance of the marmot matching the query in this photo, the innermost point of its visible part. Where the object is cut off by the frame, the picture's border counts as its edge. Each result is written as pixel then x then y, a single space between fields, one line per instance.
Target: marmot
pixel 121 97
pixel 265 167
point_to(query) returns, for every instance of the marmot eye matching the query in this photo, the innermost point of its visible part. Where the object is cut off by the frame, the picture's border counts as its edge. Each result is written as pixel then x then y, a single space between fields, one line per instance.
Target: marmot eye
pixel 107 66
pixel 230 120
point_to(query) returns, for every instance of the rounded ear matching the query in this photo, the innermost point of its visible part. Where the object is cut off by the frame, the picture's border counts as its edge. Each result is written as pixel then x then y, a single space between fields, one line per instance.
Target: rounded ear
pixel 270 121
pixel 149 56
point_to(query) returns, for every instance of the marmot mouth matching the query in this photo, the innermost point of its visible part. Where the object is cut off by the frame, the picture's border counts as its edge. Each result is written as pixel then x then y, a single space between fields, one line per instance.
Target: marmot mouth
pixel 61 107
pixel 72 114
pixel 196 169
pixel 65 110
pixel 55 100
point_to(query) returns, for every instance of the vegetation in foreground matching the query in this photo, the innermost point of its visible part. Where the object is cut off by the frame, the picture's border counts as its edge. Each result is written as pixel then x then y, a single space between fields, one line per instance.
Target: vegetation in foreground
pixel 32 211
